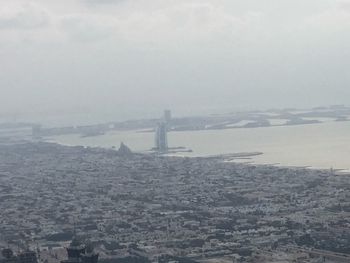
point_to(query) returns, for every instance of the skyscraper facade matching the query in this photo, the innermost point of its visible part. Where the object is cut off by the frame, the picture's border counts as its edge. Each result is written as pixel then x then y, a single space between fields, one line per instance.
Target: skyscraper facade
pixel 167 116
pixel 161 137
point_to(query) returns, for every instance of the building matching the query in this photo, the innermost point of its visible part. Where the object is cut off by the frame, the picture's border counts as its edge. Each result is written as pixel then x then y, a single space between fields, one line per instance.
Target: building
pixel 7 256
pixel 80 253
pixel 27 256
pixel 161 137
pixel 89 256
pixel 167 116
pixel 124 150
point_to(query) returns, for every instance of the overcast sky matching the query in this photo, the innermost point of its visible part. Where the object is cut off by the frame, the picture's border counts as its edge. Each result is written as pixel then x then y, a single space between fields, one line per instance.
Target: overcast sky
pixel 120 59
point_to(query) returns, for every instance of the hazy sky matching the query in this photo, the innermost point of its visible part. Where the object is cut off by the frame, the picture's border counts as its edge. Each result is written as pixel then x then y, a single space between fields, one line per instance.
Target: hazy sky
pixel 117 59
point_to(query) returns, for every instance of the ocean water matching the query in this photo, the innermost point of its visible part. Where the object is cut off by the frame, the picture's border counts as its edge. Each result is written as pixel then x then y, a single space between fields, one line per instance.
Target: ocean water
pixel 325 145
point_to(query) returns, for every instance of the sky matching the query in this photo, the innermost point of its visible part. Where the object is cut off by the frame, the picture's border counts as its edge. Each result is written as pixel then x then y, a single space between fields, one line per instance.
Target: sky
pixel 107 60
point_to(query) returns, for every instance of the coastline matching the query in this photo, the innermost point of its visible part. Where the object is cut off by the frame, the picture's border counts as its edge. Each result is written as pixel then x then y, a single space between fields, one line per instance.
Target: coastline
pixel 248 158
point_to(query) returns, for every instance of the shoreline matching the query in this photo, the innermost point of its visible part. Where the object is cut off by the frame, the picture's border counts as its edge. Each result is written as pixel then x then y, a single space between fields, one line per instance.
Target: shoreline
pixel 286 147
pixel 234 157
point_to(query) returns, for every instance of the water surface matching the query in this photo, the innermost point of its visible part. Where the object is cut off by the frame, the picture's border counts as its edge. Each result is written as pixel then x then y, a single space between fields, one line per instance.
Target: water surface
pixel 323 145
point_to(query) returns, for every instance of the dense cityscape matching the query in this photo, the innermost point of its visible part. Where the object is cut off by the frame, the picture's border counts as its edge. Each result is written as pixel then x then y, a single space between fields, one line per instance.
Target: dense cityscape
pixel 174 131
pixel 156 208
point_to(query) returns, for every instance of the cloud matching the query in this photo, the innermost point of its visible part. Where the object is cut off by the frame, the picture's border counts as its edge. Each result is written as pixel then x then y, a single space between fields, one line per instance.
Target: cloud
pixel 87 28
pixel 331 21
pixel 179 24
pixel 103 1
pixel 345 5
pixel 193 23
pixel 116 52
pixel 23 16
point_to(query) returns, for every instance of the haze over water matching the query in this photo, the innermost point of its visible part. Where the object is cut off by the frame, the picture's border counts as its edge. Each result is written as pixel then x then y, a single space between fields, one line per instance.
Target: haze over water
pixel 323 145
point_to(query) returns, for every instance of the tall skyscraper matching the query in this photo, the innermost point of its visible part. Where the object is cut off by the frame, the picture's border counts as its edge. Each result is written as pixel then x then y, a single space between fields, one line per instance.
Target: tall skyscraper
pixel 161 137
pixel 167 116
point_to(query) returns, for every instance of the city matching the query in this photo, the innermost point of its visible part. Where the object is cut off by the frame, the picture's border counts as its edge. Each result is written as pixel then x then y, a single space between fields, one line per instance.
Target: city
pixel 198 209
pixel 174 131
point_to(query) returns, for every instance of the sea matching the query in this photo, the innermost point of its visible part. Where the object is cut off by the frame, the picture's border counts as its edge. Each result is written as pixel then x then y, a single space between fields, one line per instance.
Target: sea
pixel 322 146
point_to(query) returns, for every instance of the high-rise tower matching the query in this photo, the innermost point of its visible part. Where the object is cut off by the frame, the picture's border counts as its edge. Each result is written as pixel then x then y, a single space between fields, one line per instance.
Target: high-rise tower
pixel 167 116
pixel 161 137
